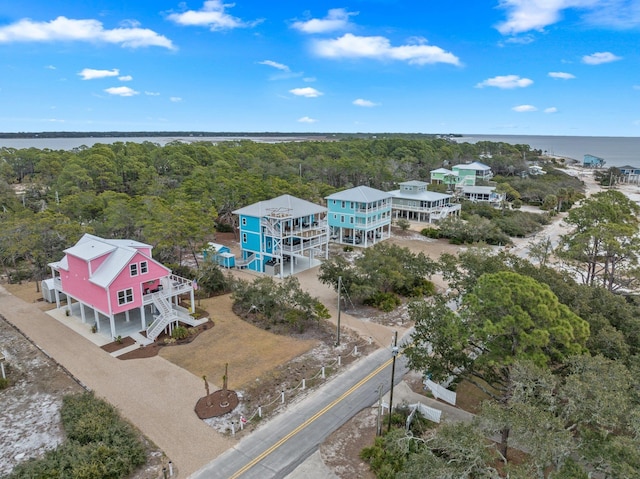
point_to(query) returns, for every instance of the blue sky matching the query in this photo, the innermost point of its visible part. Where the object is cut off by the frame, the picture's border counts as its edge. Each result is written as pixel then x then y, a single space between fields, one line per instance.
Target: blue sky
pixel 522 67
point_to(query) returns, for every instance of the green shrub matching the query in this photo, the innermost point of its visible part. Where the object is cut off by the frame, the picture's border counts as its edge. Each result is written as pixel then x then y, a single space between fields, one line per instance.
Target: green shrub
pixel 430 233
pixel 383 301
pixel 180 332
pixel 100 445
pixel 4 383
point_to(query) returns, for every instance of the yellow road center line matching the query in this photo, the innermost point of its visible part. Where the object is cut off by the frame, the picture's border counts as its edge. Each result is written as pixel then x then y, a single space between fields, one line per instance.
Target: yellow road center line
pixel 350 391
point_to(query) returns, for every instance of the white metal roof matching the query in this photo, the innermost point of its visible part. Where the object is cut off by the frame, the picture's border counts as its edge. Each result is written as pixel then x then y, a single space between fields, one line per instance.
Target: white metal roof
pixel 414 183
pixel 445 171
pixel 112 266
pixel 361 194
pixel 476 165
pixel 120 252
pixel 421 195
pixel 285 204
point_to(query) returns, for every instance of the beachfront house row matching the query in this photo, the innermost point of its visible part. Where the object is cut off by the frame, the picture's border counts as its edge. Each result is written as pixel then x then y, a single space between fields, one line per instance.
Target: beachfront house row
pixel 118 282
pixel 413 201
pixel 360 215
pixel 476 170
pixel 282 236
pixel 482 194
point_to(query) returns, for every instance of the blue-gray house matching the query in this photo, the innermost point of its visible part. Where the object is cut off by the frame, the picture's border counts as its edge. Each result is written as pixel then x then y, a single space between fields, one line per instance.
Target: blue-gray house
pixel 360 215
pixel 629 174
pixel 591 161
pixel 282 236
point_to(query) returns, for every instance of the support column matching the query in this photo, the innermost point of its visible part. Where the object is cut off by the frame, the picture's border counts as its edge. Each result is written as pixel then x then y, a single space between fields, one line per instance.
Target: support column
pixel 112 323
pixel 96 315
pixel 126 315
pixel 84 319
pixel 57 293
pixel 143 319
pixel 193 302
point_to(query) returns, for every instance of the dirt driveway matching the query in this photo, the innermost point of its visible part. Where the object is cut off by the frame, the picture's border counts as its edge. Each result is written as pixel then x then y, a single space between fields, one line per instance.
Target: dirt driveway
pixel 154 394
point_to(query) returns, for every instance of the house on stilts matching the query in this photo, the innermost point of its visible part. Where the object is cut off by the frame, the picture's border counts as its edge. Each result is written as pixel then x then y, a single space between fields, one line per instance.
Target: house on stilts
pixel 117 285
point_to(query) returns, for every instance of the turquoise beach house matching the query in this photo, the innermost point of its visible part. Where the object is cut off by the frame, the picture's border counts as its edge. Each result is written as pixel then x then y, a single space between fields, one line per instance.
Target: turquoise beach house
pixel 360 216
pixel 282 236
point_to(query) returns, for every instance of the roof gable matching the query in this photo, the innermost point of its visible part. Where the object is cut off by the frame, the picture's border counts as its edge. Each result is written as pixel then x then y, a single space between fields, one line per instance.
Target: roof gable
pixel 361 194
pixel 476 165
pixel 120 253
pixel 285 203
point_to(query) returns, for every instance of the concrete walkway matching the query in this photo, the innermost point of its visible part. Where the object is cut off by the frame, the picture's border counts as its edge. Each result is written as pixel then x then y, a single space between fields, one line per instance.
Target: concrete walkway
pixel 154 394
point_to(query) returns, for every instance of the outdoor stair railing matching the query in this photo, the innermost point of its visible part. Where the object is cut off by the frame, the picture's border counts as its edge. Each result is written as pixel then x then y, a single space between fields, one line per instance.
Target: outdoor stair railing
pixel 167 314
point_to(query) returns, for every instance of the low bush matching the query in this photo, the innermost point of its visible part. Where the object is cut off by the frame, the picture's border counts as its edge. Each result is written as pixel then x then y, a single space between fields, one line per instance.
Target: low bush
pixel 99 445
pixel 180 332
pixel 4 383
pixel 383 301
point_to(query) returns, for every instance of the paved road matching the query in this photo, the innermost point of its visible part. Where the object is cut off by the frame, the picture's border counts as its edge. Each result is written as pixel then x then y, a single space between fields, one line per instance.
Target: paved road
pixel 277 448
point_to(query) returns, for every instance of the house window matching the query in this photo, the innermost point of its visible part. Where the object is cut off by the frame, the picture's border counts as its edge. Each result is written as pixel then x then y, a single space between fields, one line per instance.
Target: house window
pixel 344 204
pixel 244 237
pixel 144 267
pixel 244 221
pixel 351 219
pixel 335 217
pixel 268 244
pixel 133 269
pixel 342 219
pixel 125 296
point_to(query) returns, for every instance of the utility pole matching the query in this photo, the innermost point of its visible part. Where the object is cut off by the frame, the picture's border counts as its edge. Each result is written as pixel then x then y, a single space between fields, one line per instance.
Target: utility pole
pixel 339 301
pixel 378 419
pixel 394 352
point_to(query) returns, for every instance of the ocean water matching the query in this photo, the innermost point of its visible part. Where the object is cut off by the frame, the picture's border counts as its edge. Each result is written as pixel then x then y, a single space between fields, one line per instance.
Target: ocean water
pixel 616 151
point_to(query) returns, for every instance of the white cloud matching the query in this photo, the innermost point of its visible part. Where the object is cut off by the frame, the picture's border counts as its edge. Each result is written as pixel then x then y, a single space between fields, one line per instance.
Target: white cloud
pixel 125 78
pixel 524 108
pixel 551 109
pixel 278 66
pixel 309 79
pixel 561 75
pixel 352 46
pixel 121 91
pixel 50 67
pixel 152 93
pixel 365 103
pixel 91 74
pixel 66 29
pixel 307 92
pixel 527 15
pixel 506 82
pixel 212 15
pixel 336 19
pixel 636 87
pixel 306 119
pixel 599 58
pixel 175 99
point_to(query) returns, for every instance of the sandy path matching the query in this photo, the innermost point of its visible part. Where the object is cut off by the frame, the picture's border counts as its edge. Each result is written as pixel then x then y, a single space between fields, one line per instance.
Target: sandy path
pixel 155 395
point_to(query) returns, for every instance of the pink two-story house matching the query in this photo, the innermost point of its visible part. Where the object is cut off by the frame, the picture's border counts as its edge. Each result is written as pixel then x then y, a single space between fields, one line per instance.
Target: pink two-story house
pixel 118 280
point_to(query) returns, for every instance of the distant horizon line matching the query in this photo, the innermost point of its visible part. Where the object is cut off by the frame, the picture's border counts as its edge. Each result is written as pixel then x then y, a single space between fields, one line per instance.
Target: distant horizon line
pixel 240 134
